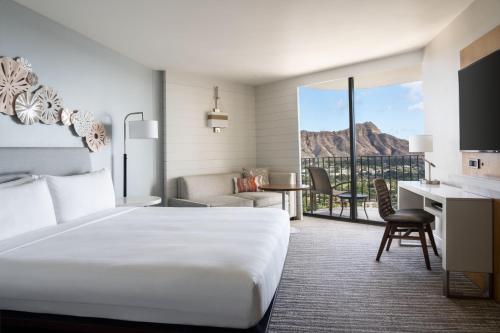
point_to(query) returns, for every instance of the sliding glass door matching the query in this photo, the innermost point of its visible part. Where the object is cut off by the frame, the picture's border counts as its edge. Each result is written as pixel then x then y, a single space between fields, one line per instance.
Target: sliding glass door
pixel 325 139
pixel 357 129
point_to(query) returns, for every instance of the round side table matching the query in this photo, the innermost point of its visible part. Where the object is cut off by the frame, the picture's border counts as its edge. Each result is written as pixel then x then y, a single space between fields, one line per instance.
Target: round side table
pixel 284 189
pixel 347 197
pixel 144 201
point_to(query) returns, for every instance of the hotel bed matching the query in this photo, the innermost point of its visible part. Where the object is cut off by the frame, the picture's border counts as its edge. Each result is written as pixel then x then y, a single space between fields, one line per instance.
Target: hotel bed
pixel 216 267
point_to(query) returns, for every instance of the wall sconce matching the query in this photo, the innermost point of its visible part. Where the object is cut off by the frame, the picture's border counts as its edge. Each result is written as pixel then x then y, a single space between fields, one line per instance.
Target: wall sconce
pixel 215 118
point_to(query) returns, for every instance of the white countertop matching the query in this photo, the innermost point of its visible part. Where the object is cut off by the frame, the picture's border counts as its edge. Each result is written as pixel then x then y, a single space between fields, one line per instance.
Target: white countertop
pixel 440 191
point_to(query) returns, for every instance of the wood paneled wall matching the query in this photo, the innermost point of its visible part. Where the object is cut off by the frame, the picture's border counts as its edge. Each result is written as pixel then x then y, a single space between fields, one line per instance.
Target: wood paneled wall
pixel 480 48
pixel 490 162
pixel 192 148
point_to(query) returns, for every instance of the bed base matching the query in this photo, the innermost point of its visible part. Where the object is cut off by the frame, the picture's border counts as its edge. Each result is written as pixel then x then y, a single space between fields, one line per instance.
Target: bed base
pixel 17 322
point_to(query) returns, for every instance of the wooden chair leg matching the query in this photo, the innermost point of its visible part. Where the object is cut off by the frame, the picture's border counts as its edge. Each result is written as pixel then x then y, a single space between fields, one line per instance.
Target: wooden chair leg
pixel 421 232
pixel 389 241
pixel 331 204
pixel 388 228
pixel 431 237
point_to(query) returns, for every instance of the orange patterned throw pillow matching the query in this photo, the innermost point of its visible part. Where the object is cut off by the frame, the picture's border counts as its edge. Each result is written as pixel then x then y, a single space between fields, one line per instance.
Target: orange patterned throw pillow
pixel 249 184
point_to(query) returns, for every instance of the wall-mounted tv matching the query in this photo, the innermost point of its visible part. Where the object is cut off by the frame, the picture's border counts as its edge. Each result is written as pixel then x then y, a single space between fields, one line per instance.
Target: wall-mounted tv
pixel 479 89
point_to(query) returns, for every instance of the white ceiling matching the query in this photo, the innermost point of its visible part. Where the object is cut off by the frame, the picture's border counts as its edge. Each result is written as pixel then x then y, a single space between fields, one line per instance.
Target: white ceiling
pixel 376 79
pixel 253 41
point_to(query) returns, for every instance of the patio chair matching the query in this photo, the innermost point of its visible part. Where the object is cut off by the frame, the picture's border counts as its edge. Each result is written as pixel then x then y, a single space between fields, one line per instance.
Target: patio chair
pixel 321 185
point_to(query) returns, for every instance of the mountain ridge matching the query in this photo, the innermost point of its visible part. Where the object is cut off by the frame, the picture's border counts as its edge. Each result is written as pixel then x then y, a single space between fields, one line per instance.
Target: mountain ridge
pixel 371 141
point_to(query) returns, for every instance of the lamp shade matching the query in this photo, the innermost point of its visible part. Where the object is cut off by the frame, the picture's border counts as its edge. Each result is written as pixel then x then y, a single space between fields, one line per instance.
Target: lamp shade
pixel 420 144
pixel 143 129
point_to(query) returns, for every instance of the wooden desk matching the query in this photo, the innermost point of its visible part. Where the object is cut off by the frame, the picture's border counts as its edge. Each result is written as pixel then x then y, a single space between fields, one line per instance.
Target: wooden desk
pixel 463 226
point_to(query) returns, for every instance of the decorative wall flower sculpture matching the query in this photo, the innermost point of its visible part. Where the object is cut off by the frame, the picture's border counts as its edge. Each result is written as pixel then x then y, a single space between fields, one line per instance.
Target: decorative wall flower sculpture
pixel 52 105
pixel 28 107
pixel 96 139
pixel 82 122
pixel 12 83
pixel 66 116
pixel 32 78
pixel 24 63
pixel 44 104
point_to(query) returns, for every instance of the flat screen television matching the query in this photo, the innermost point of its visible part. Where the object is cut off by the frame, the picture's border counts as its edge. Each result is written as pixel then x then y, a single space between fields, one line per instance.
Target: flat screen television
pixel 479 91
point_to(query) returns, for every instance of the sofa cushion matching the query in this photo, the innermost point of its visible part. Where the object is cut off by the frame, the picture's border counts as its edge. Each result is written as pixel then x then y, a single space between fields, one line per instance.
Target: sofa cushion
pixel 262 199
pixel 263 172
pixel 226 201
pixel 204 186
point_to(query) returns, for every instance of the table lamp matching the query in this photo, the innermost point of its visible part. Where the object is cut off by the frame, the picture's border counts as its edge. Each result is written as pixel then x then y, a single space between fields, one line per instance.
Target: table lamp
pixel 423 144
pixel 138 129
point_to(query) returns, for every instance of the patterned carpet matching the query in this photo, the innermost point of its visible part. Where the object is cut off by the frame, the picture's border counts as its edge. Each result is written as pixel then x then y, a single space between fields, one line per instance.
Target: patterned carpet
pixel 332 283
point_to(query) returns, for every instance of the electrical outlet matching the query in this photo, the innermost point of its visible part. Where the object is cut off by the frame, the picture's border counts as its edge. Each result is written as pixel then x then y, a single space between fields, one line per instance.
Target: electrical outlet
pixel 474 163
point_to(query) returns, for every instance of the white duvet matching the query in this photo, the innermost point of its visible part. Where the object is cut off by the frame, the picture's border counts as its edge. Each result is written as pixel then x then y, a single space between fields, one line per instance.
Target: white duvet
pixel 196 266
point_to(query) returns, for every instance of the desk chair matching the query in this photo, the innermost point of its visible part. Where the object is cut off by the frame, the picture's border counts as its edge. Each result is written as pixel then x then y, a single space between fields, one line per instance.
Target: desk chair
pixel 403 221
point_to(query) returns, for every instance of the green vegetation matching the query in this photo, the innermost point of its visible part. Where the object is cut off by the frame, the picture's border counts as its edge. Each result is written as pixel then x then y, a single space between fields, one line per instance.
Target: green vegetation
pixel 390 168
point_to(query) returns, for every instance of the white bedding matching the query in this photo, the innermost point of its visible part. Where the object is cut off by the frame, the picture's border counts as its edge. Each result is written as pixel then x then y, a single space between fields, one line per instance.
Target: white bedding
pixel 195 266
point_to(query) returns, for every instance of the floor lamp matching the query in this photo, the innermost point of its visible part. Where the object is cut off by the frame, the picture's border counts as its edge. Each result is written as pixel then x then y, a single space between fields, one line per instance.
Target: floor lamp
pixel 138 129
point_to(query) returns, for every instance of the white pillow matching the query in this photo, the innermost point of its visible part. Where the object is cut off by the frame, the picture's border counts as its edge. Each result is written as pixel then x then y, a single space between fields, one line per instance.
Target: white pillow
pixel 15 182
pixel 81 195
pixel 25 207
pixel 4 178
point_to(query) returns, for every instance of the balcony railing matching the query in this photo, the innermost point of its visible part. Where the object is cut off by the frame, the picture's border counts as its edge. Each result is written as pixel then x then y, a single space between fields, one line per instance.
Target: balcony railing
pixel 392 168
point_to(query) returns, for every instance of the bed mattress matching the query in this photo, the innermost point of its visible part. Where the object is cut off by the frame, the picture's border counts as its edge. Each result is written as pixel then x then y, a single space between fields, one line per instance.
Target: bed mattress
pixel 191 266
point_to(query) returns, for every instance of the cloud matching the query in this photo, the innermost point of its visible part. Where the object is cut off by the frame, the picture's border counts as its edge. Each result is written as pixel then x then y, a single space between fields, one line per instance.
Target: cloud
pixel 387 108
pixel 358 99
pixel 413 90
pixel 416 107
pixel 341 104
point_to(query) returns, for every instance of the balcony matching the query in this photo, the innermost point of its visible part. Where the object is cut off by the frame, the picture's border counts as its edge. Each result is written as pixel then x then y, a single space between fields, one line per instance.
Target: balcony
pixel 392 168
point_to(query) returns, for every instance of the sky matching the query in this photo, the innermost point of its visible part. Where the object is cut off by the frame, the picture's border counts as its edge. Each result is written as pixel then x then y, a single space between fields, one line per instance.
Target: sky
pixel 395 109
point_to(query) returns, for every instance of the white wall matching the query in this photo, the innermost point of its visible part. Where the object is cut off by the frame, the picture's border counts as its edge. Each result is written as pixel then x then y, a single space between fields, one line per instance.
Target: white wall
pixel 277 114
pixel 440 81
pixel 191 147
pixel 91 77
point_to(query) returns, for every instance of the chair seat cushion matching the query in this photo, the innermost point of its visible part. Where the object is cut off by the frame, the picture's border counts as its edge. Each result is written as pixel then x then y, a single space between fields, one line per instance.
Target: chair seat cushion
pixel 262 199
pixel 225 201
pixel 410 216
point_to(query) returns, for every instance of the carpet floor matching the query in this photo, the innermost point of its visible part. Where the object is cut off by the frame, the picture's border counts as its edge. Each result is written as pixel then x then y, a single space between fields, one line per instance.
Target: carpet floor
pixel 332 283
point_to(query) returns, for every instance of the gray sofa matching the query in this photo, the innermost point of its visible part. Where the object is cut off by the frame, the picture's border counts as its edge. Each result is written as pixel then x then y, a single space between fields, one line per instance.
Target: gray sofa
pixel 217 190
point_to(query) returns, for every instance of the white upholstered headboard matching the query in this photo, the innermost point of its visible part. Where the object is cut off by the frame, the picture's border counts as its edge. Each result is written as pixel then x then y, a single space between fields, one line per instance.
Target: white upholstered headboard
pixel 44 161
